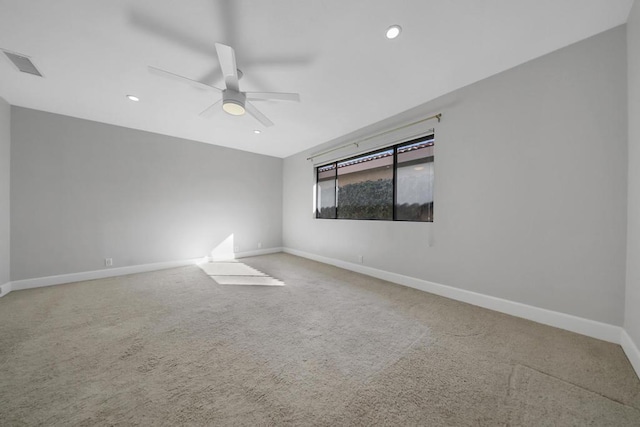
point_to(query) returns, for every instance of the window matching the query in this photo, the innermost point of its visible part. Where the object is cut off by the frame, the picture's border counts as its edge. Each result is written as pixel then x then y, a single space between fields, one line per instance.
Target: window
pixel 365 186
pixel 395 183
pixel 414 182
pixel 326 188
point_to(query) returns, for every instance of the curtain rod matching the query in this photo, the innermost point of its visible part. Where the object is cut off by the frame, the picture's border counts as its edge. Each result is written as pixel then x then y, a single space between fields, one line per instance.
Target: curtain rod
pixel 387 144
pixel 356 143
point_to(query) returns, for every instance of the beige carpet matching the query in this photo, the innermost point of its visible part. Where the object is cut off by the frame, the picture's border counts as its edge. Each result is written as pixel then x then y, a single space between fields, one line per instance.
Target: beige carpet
pixel 329 348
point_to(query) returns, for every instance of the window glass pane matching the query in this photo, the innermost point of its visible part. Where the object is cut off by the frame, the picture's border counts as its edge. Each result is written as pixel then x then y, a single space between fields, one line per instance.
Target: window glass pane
pixel 326 191
pixel 365 186
pixel 414 181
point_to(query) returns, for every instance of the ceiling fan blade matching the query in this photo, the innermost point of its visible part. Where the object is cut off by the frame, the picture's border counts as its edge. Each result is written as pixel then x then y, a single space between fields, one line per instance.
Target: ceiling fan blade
pixel 168 74
pixel 251 109
pixel 228 21
pixel 227 58
pixel 273 95
pixel 208 112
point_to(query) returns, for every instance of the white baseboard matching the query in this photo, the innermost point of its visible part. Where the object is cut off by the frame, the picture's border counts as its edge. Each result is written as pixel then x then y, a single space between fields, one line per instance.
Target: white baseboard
pixel 257 252
pixel 39 282
pixel 631 350
pixel 5 289
pixel 568 322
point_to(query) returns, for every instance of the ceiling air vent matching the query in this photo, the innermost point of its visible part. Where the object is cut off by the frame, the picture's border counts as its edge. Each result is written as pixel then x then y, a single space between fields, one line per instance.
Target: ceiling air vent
pixel 22 63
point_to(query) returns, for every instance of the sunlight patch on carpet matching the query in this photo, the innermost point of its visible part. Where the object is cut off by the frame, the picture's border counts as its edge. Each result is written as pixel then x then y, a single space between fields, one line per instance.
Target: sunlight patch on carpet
pixel 237 273
pixel 230 269
pixel 247 280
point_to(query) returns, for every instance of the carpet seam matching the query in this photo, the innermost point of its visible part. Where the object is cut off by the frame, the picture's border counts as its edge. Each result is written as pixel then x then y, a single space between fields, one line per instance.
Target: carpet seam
pixel 576 385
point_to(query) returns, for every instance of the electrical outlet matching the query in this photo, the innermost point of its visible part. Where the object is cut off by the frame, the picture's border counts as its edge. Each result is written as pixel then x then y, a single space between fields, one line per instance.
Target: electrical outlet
pixel 259 245
pixel 236 249
pixel 108 262
pixel 360 259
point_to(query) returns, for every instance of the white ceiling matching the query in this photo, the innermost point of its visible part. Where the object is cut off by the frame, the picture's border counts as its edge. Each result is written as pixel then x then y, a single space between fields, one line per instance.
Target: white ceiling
pixel 333 52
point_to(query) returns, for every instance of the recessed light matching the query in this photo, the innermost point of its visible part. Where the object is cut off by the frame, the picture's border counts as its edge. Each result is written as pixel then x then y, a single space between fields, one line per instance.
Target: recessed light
pixel 393 31
pixel 256 131
pixel 418 168
pixel 133 98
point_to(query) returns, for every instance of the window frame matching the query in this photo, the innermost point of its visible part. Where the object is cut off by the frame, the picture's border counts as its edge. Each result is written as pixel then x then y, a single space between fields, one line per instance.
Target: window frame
pixel 394 148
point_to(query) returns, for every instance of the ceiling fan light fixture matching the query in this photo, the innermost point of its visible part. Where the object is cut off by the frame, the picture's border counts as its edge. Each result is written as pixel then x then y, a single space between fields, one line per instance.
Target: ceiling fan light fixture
pixel 233 102
pixel 393 31
pixel 233 107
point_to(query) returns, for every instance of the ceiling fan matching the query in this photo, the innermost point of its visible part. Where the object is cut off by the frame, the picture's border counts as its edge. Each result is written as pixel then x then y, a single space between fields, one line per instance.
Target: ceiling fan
pixel 234 101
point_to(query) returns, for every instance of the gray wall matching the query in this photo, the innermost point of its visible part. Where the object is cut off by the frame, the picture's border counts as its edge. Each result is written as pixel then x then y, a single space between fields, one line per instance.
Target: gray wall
pixel 632 320
pixel 5 149
pixel 530 192
pixel 82 191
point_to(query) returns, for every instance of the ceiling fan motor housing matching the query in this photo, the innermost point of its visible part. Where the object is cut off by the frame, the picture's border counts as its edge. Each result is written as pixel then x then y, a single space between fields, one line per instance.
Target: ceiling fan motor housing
pixel 233 102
